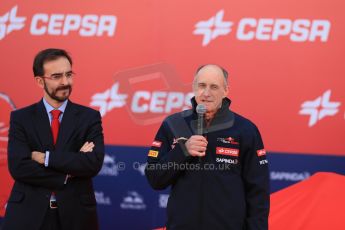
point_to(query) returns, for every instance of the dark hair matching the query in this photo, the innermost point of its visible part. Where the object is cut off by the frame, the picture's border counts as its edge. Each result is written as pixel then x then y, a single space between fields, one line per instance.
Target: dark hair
pixel 225 73
pixel 48 55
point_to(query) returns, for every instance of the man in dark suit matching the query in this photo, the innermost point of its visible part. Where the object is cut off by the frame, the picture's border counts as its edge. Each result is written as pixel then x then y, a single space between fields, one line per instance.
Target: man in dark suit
pixel 55 147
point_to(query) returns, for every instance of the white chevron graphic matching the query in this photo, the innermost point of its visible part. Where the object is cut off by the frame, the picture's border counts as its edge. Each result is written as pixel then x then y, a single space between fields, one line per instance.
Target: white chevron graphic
pixel 319 108
pixel 10 22
pixel 213 28
pixel 109 99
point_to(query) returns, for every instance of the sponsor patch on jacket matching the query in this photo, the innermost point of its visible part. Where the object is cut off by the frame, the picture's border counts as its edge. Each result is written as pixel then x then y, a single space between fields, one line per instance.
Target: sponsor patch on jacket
pixel 261 152
pixel 227 151
pixel 226 160
pixel 153 153
pixel 157 144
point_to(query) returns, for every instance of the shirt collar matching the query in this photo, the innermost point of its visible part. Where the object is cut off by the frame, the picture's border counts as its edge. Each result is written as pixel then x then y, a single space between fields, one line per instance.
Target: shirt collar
pixel 49 108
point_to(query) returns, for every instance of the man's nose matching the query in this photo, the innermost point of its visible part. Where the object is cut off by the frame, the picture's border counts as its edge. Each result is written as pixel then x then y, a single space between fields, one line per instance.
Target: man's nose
pixel 206 91
pixel 64 80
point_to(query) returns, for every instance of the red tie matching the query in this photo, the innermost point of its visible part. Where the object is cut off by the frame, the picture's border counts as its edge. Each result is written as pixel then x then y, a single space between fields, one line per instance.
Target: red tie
pixel 55 124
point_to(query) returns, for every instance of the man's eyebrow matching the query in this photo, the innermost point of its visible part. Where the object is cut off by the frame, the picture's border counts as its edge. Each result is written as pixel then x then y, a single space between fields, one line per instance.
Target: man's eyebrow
pixel 59 73
pixel 56 74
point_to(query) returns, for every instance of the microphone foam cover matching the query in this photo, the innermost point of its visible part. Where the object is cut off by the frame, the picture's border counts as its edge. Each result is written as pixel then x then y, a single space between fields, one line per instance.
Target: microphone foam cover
pixel 201 109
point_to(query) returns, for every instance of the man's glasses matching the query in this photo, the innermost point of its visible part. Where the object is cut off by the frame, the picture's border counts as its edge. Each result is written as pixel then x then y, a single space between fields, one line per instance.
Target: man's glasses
pixel 59 76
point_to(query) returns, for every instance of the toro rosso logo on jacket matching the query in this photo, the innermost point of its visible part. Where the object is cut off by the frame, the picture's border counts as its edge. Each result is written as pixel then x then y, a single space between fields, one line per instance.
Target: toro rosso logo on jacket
pixel 227 140
pixel 227 151
pixel 176 140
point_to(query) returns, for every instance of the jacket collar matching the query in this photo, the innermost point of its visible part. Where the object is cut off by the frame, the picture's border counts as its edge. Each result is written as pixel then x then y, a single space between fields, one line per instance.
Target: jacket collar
pixel 224 117
pixel 224 107
pixel 43 128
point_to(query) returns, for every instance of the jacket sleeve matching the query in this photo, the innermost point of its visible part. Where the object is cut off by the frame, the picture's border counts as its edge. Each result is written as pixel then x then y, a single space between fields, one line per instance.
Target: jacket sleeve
pixel 21 167
pixel 82 164
pixel 163 161
pixel 256 181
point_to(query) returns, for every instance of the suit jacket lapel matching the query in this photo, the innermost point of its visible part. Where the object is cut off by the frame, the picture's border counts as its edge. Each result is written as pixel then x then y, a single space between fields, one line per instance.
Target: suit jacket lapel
pixel 42 127
pixel 67 125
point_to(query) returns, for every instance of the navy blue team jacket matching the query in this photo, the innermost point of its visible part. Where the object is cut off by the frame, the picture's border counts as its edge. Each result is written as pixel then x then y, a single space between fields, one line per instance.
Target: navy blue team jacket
pixel 227 189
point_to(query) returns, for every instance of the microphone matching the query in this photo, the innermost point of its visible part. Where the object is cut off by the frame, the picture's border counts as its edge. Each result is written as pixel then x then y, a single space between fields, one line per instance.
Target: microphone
pixel 201 110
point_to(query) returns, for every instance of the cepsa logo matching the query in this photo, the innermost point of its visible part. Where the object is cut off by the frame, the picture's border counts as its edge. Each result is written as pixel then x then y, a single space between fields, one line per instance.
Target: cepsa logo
pixel 148 93
pixel 264 29
pixel 58 24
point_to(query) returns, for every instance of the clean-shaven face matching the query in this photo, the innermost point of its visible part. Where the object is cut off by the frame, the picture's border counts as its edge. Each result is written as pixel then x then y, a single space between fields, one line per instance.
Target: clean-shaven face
pixel 210 88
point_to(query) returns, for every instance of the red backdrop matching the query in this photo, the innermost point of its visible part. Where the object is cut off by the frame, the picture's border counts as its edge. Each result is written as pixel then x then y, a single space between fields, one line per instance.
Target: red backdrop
pixel 135 61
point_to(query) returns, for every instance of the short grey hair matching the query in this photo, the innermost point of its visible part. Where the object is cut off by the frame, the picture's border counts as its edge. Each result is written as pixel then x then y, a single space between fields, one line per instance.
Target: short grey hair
pixel 225 73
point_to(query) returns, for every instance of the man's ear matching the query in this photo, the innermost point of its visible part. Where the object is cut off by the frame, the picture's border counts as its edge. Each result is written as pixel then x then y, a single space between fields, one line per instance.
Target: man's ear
pixel 226 92
pixel 39 81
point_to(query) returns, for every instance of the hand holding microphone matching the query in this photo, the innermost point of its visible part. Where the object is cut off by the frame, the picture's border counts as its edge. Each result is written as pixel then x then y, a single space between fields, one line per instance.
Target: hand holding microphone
pixel 196 144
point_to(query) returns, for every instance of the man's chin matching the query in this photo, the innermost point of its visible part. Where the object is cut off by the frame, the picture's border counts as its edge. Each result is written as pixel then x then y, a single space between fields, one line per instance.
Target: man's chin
pixel 63 96
pixel 61 99
pixel 209 105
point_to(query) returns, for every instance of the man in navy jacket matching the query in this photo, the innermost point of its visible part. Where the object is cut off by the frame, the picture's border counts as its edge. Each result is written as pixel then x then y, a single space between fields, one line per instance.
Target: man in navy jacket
pixel 219 180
